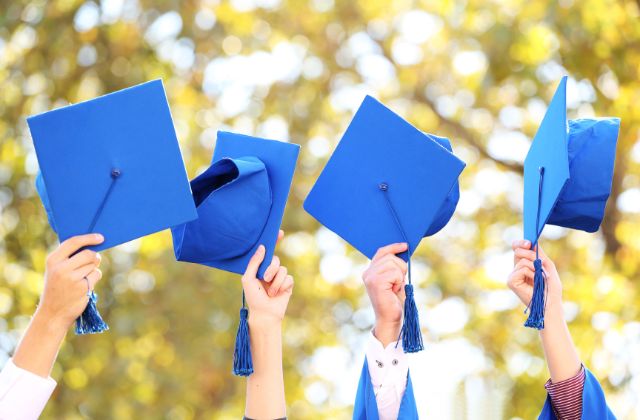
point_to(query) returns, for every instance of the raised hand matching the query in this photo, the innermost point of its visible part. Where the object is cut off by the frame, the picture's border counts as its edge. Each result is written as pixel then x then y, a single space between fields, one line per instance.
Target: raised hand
pixel 521 278
pixel 384 280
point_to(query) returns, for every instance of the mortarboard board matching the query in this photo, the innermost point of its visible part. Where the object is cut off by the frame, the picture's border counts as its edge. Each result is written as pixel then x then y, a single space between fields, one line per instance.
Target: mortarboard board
pixel 387 182
pixel 240 201
pixel 567 180
pixel 111 165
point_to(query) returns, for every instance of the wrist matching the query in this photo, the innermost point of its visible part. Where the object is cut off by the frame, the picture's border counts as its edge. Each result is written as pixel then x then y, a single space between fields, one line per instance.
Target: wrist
pixel 52 324
pixel 553 322
pixel 263 322
pixel 554 313
pixel 387 331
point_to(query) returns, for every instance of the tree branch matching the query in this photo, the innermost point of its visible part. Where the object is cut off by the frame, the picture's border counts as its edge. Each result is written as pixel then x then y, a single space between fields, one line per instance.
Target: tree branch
pixel 471 139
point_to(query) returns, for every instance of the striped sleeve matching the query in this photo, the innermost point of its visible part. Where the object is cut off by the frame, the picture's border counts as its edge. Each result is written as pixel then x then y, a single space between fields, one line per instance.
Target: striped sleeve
pixel 566 396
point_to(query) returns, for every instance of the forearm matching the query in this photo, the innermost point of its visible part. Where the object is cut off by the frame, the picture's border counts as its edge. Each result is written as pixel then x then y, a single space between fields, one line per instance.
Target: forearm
pixel 387 331
pixel 561 354
pixel 38 349
pixel 265 387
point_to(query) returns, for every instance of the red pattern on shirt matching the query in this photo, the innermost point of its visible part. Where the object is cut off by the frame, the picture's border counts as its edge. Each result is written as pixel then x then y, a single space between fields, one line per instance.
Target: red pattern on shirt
pixel 566 396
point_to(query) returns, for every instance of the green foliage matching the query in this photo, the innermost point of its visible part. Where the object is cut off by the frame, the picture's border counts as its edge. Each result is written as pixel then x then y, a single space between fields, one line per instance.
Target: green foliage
pixel 477 71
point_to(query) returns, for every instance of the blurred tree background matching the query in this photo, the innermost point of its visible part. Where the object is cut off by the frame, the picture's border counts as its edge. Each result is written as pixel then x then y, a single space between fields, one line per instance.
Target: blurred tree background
pixel 479 72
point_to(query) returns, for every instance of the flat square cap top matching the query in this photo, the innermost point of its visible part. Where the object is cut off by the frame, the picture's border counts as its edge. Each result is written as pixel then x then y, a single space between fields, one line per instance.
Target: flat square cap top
pixel 385 180
pixel 112 165
pixel 548 154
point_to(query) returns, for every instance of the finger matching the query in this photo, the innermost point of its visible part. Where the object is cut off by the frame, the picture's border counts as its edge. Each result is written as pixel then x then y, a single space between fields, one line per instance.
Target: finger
pixel 521 243
pixel 287 286
pixel 277 282
pixel 72 245
pixel 383 266
pixel 525 263
pixel 80 272
pixel 396 261
pixel 390 249
pixel 93 277
pixel 523 274
pixel 83 258
pixel 398 285
pixel 525 253
pixel 392 279
pixel 526 273
pixel 271 271
pixel 280 236
pixel 254 263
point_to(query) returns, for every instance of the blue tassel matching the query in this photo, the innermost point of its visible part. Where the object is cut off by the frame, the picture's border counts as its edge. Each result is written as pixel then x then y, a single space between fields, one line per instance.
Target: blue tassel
pixel 411 334
pixel 242 362
pixel 538 301
pixel 90 322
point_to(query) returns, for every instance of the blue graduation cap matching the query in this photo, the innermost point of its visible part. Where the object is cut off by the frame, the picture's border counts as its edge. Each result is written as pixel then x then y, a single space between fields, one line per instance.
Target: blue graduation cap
pixel 111 165
pixel 387 182
pixel 567 180
pixel 240 200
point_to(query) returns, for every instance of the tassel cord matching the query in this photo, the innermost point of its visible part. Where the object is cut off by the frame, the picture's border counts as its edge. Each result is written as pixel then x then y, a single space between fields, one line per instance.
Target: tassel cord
pixel 90 321
pixel 242 359
pixel 410 331
pixel 538 303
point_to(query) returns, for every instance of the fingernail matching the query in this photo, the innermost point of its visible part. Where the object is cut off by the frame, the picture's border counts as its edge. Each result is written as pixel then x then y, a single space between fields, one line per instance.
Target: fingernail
pixel 98 256
pixel 527 243
pixel 99 237
pixel 261 248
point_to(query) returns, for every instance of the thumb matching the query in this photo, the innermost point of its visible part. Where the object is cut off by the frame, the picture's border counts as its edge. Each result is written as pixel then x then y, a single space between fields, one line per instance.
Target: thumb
pixel 251 273
pixel 254 263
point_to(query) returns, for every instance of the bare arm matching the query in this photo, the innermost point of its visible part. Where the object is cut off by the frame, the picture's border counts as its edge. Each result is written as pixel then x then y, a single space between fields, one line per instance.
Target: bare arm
pixel 267 301
pixel 265 387
pixel 62 301
pixel 561 354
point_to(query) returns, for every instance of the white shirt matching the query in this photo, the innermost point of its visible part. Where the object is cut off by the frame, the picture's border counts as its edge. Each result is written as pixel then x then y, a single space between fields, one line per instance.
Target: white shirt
pixel 388 368
pixel 23 394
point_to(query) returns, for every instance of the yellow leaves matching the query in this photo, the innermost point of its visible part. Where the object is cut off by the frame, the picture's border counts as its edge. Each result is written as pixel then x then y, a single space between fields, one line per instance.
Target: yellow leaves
pixel 424 117
pixel 165 356
pixel 125 38
pixel 124 346
pixel 155 244
pixel 629 233
pixel 9 151
pixel 145 392
pixel 95 362
pixel 89 36
pixel 535 45
pixel 64 6
pixel 6 298
pixel 75 378
pixel 33 282
pixel 136 371
pixel 237 23
pixel 38 258
pixel 168 353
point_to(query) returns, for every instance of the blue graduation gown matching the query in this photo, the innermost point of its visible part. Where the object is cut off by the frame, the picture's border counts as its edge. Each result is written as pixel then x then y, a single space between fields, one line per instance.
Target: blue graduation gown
pixel 594 406
pixel 365 407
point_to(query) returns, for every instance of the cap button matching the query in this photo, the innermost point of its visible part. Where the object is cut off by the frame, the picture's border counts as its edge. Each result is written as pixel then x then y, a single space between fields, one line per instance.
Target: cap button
pixel 383 186
pixel 115 172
